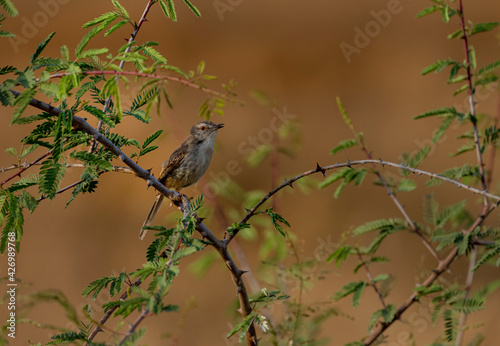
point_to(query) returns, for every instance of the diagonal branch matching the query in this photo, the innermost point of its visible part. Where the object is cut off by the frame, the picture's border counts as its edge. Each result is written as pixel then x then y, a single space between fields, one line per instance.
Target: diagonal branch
pixel 442 266
pixel 79 124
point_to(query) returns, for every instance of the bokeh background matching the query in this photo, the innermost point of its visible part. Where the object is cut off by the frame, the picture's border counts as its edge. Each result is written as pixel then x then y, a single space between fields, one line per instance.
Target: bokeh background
pixel 290 50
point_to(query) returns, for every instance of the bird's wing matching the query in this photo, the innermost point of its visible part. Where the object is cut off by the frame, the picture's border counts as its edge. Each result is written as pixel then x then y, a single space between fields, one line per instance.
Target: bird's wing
pixel 173 162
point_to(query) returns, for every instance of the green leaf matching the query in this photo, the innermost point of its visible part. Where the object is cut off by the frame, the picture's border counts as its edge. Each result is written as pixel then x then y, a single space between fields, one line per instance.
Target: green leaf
pixel 236 227
pixel 469 306
pixel 41 47
pixel 67 337
pixel 115 27
pixel 341 254
pixel 431 208
pixel 348 143
pixel 120 9
pixel 442 129
pixel 387 315
pixel 438 66
pixel 22 101
pixel 168 9
pixel 470 146
pixel 242 327
pixel 92 52
pixel 7 69
pixel 151 138
pixel 446 112
pixel 423 290
pixel 427 11
pixel 51 174
pixel 482 27
pixel 106 17
pixel 192 8
pixel 154 54
pixel 407 185
pixel 276 219
pixel 490 254
pixel 387 224
pixel 355 288
pixel 13 223
pixel 489 68
pixel 9 8
pixel 99 114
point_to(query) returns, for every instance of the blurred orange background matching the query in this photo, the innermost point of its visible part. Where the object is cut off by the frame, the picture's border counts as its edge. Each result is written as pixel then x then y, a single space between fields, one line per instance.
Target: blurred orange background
pixel 292 51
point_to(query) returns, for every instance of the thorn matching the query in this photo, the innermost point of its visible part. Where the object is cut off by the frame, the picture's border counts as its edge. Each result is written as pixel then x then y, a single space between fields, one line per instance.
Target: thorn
pixel 248 211
pixel 349 163
pixel 150 183
pixel 320 169
pixel 289 183
pixel 200 220
pixel 381 162
pixel 243 272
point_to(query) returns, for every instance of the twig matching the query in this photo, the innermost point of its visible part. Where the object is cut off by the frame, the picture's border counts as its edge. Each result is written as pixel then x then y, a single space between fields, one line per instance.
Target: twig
pixel 122 63
pixel 24 167
pixel 134 325
pixel 468 285
pixel 442 266
pixel 471 101
pixel 320 169
pixel 108 314
pixel 400 207
pixel 156 76
pixel 119 169
pixel 370 278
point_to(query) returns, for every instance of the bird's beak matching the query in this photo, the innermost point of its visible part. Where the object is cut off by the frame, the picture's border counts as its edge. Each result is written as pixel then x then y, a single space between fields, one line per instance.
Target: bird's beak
pixel 219 126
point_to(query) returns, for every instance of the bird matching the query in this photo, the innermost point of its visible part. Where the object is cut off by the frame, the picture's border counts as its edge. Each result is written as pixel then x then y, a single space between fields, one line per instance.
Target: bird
pixel 186 165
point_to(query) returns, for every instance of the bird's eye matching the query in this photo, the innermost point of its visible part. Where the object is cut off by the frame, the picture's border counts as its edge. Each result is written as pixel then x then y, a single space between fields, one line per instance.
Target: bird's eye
pixel 203 128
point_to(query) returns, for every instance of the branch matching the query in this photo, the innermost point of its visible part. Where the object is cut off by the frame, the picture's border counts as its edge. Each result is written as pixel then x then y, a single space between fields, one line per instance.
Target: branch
pixel 155 76
pixel 134 326
pixel 398 204
pixel 108 314
pixel 436 273
pixel 370 277
pixel 471 101
pixel 252 212
pixel 119 169
pixel 79 124
pixel 26 166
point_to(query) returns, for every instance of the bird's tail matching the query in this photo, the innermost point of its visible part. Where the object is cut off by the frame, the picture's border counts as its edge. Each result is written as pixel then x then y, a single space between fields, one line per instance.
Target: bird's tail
pixel 149 219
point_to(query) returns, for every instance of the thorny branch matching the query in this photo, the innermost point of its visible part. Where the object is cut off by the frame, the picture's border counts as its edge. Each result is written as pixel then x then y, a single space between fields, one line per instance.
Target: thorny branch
pixel 319 169
pixel 79 124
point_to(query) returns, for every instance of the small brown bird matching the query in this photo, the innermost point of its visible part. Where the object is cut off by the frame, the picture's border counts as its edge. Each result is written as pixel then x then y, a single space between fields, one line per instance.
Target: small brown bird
pixel 187 164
